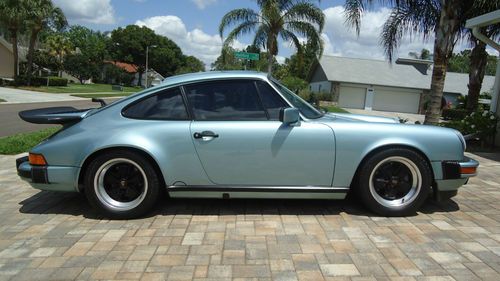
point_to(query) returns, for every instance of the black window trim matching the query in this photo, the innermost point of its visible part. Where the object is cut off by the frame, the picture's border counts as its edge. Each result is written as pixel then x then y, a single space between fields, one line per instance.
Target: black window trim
pixel 189 116
pixel 253 80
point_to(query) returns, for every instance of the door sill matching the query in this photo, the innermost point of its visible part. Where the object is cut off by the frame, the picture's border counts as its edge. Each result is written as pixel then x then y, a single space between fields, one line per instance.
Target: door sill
pixel 226 192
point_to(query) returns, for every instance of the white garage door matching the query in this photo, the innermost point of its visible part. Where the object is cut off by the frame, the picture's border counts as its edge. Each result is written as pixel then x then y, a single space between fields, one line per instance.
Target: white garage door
pixel 352 97
pixel 396 101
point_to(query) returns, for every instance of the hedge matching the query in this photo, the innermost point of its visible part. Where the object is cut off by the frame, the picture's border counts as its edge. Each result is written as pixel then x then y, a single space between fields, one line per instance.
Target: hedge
pixel 22 80
pixel 57 81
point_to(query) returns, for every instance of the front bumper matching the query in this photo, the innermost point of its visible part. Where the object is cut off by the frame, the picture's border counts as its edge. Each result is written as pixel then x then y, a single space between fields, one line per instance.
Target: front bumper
pixel 453 169
pixel 453 178
pixel 53 178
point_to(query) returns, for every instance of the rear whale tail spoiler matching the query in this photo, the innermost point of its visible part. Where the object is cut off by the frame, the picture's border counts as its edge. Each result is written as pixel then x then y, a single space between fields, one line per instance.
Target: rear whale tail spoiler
pixel 53 115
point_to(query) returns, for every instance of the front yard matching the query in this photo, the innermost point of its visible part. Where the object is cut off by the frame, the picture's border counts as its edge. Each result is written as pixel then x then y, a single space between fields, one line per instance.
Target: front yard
pixel 23 142
pixel 78 88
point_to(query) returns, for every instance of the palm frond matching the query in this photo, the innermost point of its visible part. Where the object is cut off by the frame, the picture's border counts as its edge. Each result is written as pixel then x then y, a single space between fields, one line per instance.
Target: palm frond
pixel 289 36
pixel 242 29
pixel 308 31
pixel 306 12
pixel 353 10
pixel 237 16
pixel 261 36
pixel 415 17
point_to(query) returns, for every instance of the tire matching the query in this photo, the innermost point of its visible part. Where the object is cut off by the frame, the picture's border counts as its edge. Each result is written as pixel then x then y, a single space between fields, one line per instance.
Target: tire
pixel 122 185
pixel 394 182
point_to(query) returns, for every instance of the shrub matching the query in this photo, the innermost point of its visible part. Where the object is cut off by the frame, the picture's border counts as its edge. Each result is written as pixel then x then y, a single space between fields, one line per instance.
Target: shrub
pixel 480 123
pixel 127 79
pixel 294 83
pixel 57 81
pixel 454 114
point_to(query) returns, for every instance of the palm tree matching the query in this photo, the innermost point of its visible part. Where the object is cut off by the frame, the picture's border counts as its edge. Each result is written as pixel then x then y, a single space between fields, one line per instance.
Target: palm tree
pixel 42 14
pixel 58 46
pixel 478 62
pixel 285 19
pixel 12 18
pixel 443 19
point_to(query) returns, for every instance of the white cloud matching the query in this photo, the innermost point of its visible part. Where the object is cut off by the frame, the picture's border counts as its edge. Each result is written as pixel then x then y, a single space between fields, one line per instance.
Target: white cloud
pixel 87 11
pixel 280 59
pixel 340 40
pixel 192 42
pixel 202 4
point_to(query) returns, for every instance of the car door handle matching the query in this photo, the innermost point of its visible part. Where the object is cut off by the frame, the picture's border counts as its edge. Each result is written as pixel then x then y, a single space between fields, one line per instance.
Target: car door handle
pixel 209 134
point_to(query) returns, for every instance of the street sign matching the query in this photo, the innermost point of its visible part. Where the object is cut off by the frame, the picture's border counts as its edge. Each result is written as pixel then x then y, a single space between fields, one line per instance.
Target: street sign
pixel 246 56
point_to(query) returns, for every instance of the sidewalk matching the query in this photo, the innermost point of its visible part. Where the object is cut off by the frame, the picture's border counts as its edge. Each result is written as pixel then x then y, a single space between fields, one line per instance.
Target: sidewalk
pixel 11 95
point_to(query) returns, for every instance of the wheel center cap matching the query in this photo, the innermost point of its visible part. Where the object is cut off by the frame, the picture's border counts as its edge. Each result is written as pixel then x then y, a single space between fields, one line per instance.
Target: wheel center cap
pixel 123 183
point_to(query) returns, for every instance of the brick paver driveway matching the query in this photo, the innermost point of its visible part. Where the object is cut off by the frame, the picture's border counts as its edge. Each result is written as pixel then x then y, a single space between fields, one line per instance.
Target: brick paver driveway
pixel 50 236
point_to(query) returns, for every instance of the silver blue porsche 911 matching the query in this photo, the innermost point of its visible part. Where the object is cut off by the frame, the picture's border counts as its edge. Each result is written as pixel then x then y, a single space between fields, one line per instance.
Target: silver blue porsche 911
pixel 239 135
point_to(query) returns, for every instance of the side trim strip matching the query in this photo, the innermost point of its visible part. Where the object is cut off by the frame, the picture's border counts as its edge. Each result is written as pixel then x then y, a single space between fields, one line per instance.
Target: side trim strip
pixel 286 189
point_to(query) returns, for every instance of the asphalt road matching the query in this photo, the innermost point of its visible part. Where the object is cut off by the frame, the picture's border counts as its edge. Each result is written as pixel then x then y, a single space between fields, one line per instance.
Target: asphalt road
pixel 10 123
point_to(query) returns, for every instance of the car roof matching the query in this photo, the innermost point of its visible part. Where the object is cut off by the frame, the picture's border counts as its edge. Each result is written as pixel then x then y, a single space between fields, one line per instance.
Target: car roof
pixel 209 75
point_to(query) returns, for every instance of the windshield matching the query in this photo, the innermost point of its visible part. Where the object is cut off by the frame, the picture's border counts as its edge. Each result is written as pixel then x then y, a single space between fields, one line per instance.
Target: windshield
pixel 305 108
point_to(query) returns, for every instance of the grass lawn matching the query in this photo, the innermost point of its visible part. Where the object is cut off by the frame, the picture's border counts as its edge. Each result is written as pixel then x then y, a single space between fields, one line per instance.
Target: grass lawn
pixel 332 108
pixel 19 143
pixel 2 100
pixel 124 94
pixel 78 88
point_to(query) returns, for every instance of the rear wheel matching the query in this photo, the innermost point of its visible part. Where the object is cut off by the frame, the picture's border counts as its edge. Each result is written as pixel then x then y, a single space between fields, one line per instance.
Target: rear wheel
pixel 122 184
pixel 395 182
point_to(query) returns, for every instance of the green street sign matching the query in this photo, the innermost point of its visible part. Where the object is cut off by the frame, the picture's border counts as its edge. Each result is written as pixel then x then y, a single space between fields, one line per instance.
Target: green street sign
pixel 246 56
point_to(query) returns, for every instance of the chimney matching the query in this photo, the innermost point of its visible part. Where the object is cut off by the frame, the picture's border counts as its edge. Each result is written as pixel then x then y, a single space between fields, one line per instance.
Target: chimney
pixel 421 65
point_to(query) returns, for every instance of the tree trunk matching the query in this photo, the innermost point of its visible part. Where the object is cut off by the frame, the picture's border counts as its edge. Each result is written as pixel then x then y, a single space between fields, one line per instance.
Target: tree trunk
pixel 15 51
pixel 31 51
pixel 272 50
pixel 443 47
pixel 478 60
pixel 270 63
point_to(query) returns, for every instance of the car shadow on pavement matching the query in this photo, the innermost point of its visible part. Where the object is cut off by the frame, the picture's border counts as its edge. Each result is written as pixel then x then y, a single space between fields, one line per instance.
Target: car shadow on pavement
pixel 46 202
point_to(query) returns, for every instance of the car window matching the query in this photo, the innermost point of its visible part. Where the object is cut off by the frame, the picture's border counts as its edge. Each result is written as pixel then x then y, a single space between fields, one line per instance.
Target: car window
pixel 225 100
pixel 305 108
pixel 271 100
pixel 165 105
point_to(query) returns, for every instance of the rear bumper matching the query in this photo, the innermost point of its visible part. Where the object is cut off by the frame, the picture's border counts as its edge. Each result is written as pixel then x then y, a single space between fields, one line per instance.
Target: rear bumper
pixel 53 178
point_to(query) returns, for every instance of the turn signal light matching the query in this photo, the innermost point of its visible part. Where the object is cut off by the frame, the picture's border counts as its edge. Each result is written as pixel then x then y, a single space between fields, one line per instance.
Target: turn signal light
pixel 37 159
pixel 468 170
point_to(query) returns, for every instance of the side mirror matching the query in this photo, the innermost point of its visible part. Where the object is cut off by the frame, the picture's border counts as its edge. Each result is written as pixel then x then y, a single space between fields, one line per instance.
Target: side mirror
pixel 289 115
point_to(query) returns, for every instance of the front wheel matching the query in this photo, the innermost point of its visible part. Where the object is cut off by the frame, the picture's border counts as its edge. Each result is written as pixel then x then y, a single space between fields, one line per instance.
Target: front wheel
pixel 122 184
pixel 395 182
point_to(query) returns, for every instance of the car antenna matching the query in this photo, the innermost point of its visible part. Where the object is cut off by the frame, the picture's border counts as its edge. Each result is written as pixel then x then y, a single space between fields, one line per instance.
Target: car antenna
pixel 101 101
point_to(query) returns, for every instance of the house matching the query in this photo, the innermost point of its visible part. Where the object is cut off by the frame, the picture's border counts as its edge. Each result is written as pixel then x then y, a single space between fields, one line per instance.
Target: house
pixel 154 78
pixel 7 59
pixel 378 85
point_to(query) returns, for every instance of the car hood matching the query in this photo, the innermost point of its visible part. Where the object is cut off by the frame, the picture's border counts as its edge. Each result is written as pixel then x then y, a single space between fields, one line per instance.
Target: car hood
pixel 357 118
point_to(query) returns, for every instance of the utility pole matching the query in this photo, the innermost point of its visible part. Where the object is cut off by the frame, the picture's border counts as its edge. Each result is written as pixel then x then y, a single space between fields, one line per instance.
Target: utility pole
pixel 147 60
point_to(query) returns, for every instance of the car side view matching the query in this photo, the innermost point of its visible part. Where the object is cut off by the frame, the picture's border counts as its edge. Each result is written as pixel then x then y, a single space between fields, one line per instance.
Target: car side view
pixel 239 135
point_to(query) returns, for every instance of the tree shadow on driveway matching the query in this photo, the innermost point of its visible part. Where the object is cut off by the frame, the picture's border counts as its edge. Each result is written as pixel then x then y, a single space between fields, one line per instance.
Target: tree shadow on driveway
pixel 46 202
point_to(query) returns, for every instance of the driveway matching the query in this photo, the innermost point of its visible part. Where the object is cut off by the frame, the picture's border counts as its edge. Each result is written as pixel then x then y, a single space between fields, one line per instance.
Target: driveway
pixel 51 236
pixel 412 118
pixel 21 96
pixel 10 123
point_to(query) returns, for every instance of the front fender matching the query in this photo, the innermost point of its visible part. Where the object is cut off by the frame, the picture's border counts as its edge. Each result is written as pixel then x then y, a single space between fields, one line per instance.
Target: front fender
pixel 357 140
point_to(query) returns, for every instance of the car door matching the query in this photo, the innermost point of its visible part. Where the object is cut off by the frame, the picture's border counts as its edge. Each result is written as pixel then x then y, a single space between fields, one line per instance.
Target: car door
pixel 241 142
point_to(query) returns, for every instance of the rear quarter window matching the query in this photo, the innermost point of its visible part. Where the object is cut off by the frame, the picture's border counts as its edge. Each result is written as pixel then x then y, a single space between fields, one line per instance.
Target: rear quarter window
pixel 164 105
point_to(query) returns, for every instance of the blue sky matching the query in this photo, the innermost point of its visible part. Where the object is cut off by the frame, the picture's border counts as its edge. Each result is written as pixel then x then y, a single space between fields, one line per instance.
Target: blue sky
pixel 193 25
